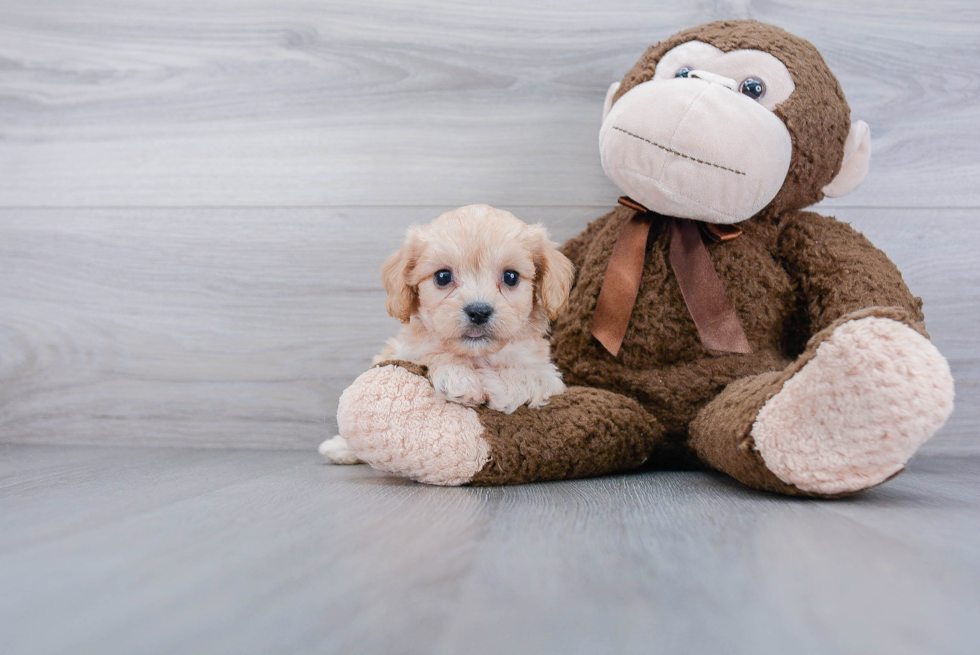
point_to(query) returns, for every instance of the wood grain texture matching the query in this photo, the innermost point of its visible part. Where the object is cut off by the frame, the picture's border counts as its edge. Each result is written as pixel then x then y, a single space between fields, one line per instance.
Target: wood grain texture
pixel 240 327
pixel 196 551
pixel 297 103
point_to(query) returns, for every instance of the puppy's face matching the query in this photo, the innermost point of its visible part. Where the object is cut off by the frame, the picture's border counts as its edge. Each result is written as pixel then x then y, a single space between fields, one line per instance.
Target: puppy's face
pixel 478 278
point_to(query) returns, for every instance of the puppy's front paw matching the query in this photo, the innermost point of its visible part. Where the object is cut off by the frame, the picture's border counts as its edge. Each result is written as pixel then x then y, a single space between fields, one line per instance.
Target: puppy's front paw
pixel 504 388
pixel 458 384
pixel 509 388
pixel 543 386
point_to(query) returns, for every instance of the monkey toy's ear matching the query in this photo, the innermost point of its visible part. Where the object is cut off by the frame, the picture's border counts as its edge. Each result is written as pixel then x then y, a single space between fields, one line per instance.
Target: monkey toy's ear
pixel 613 88
pixel 857 155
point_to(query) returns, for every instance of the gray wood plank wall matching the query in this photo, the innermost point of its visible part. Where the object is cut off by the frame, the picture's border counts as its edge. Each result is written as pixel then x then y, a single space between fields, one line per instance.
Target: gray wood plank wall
pixel 195 197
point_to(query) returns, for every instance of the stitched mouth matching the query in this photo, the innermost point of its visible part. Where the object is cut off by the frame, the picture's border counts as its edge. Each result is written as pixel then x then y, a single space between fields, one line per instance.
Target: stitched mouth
pixel 674 152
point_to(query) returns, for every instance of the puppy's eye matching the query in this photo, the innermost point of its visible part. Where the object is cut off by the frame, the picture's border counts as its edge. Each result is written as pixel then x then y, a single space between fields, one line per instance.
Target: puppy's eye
pixel 443 278
pixel 683 71
pixel 511 278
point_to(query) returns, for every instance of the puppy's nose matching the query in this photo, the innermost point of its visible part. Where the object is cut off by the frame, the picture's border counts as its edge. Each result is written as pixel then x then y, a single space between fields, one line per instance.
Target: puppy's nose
pixel 478 312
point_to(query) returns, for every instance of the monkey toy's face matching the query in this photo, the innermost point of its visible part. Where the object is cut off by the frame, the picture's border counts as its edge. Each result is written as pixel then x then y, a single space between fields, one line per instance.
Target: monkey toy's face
pixel 701 139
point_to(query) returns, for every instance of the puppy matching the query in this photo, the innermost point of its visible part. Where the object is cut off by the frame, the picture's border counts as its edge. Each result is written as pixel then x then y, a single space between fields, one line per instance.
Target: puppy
pixel 477 289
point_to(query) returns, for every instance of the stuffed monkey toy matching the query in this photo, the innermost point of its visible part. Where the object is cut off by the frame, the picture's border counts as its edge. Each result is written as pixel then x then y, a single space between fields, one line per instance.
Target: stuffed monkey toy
pixel 712 323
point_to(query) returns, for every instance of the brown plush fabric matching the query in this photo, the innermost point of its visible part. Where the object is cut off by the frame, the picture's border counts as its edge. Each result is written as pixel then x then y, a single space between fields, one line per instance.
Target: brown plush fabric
pixel 663 363
pixel 840 271
pixel 581 433
pixel 818 118
pixel 788 278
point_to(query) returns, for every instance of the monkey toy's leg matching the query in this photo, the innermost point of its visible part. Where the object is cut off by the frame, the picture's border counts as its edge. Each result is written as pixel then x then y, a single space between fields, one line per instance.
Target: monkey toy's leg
pixel 846 416
pixel 393 419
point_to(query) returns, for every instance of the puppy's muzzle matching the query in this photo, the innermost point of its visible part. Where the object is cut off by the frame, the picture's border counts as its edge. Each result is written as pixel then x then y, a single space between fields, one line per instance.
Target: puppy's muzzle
pixel 478 312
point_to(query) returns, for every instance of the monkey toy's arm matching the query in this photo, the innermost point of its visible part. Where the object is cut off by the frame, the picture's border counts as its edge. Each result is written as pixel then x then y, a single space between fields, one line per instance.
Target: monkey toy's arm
pixel 841 273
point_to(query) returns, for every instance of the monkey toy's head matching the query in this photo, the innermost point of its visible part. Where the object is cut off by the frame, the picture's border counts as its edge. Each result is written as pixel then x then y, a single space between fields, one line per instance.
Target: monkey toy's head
pixel 729 119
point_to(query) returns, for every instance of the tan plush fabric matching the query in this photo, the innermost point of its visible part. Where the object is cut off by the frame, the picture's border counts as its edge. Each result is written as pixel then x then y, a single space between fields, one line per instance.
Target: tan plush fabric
pixel 694 146
pixel 692 161
pixel 393 419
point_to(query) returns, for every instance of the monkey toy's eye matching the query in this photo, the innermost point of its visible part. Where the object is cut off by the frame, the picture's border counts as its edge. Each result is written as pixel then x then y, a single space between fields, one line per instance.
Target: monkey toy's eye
pixel 443 278
pixel 511 278
pixel 753 87
pixel 683 71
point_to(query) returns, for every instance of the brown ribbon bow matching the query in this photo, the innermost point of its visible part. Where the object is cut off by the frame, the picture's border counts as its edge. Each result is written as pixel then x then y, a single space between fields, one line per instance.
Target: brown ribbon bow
pixel 715 318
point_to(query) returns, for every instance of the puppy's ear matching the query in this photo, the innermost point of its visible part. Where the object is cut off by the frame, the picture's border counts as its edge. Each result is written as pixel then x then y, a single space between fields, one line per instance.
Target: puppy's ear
pixel 554 273
pixel 403 297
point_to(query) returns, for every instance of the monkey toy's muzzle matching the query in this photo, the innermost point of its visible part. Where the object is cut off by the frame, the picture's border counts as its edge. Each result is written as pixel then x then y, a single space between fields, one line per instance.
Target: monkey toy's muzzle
pixel 695 149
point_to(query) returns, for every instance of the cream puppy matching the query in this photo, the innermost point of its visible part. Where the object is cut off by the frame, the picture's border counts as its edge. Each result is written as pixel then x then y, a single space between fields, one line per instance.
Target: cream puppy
pixel 477 289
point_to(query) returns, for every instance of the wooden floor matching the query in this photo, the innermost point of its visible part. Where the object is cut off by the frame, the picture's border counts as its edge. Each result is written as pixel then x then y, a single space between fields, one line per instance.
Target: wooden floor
pixel 140 550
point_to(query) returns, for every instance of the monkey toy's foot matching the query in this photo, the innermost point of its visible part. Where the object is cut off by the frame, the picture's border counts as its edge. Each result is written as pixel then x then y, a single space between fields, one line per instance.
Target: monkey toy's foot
pixel 394 420
pixel 855 413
